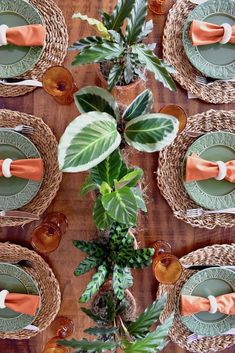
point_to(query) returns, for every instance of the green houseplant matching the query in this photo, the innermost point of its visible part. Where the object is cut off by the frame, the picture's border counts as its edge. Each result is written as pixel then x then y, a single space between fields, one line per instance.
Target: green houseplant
pixel 115 257
pixel 130 337
pixel 120 48
pixel 99 130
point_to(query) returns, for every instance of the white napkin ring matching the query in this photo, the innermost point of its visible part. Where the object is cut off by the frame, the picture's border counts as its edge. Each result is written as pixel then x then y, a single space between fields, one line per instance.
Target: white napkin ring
pixel 222 170
pixel 6 168
pixel 3 35
pixel 3 295
pixel 213 304
pixel 228 31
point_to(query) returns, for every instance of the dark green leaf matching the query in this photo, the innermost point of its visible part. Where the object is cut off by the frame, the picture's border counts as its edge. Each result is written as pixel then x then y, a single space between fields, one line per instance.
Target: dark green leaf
pixel 136 21
pixel 130 179
pixel 124 170
pixel 114 75
pixel 141 258
pixel 129 69
pixel 168 67
pixel 89 346
pixel 94 317
pixel 101 331
pixel 91 248
pixel 86 265
pixel 122 279
pixel 110 168
pixel 98 53
pixel 94 285
pixel 100 216
pixel 95 175
pixel 121 11
pixel 139 199
pixel 88 185
pixel 86 43
pixel 140 106
pixel 105 18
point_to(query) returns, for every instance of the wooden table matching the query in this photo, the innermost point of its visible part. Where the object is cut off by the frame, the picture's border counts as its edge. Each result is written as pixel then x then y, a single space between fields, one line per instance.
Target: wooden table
pixel 158 223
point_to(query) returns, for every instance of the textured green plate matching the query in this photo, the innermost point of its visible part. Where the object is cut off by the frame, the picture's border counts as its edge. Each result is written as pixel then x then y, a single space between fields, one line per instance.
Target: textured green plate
pixel 16 192
pixel 14 60
pixel 212 281
pixel 15 280
pixel 212 194
pixel 214 60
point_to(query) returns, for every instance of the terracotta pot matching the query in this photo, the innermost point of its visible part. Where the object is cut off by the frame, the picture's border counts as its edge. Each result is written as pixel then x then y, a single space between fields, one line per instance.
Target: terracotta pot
pixel 124 94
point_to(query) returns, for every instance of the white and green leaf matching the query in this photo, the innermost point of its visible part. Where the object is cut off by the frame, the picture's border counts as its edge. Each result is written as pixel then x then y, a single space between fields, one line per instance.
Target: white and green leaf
pixel 151 132
pixel 114 75
pixel 146 30
pixel 121 11
pixel 110 168
pixel 87 141
pixel 130 179
pixel 139 199
pixel 101 218
pixel 136 21
pixel 85 43
pixel 141 105
pixel 94 285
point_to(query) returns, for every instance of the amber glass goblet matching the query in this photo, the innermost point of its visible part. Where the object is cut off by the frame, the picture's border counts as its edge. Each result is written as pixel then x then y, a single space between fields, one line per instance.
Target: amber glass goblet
pixel 59 83
pixel 46 236
pixel 177 112
pixel 159 7
pixel 166 266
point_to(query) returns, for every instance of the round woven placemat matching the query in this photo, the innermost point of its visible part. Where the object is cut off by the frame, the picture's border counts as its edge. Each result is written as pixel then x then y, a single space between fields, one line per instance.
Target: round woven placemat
pixel 173 53
pixel 47 284
pixel 169 173
pixel 216 254
pixel 55 49
pixel 47 145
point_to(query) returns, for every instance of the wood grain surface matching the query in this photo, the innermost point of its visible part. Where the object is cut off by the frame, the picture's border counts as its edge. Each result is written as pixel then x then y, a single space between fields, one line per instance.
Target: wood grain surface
pixel 157 224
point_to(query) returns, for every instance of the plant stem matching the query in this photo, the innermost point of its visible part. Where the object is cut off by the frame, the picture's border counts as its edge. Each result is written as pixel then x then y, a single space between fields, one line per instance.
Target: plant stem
pixel 125 330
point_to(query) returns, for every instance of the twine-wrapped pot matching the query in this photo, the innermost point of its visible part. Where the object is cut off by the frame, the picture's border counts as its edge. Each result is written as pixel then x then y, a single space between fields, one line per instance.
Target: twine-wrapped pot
pixel 48 286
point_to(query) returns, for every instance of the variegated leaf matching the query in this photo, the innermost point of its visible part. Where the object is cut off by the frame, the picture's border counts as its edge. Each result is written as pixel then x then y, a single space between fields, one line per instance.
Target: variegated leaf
pixel 136 21
pixel 141 105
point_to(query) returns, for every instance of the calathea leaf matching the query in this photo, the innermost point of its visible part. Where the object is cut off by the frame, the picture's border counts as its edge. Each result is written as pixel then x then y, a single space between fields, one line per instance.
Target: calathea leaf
pixel 139 199
pixel 88 185
pixel 140 106
pixel 105 188
pixel 91 248
pixel 100 216
pixel 136 21
pixel 146 29
pixel 110 168
pixel 151 132
pixel 116 36
pixel 153 64
pixel 91 98
pixel 150 316
pixel 94 317
pixel 130 179
pixel 121 206
pixel 89 346
pixel 95 175
pixel 85 43
pixel 114 75
pixel 105 18
pixel 141 258
pixel 168 67
pixel 127 278
pixel 96 282
pixel 101 331
pixel 121 11
pixel 122 279
pixel 87 141
pixel 103 31
pixel 98 53
pixel 153 342
pixel 86 265
pixel 124 170
pixel 129 69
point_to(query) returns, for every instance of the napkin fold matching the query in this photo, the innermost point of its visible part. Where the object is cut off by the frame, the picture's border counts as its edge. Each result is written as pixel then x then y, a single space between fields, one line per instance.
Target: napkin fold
pixel 25 36
pixel 31 169
pixel 27 304
pixel 201 169
pixel 204 33
pixel 192 304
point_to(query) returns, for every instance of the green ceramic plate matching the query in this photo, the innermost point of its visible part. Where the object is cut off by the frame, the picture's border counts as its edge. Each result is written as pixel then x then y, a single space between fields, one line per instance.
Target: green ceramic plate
pixel 214 60
pixel 15 280
pixel 212 281
pixel 16 192
pixel 14 60
pixel 212 194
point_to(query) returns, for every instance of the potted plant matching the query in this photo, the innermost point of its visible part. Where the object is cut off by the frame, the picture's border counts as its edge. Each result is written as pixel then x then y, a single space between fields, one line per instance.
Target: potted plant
pixel 114 257
pixel 130 337
pixel 98 131
pixel 120 50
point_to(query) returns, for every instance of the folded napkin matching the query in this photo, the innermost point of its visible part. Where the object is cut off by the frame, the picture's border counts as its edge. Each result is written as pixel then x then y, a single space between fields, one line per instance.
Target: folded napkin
pixel 31 169
pixel 192 305
pixel 24 36
pixel 203 33
pixel 27 304
pixel 200 169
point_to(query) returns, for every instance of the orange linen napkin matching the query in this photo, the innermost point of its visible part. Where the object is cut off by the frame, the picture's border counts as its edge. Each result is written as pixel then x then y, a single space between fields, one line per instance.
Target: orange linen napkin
pixel 26 36
pixel 200 169
pixel 192 305
pixel 31 169
pixel 27 304
pixel 203 33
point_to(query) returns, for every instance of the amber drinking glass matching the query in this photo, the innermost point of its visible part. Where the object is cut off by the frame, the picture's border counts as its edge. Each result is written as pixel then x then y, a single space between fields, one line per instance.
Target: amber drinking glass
pixel 46 237
pixel 59 83
pixel 178 112
pixel 158 7
pixel 166 266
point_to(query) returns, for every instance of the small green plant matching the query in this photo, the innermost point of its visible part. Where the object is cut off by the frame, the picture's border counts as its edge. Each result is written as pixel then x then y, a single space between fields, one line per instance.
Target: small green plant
pixel 131 337
pixel 99 130
pixel 120 46
pixel 114 257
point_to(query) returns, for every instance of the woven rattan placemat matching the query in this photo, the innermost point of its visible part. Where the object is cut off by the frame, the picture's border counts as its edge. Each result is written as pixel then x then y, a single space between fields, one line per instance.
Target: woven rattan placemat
pixel 216 254
pixel 54 51
pixel 173 52
pixel 169 173
pixel 47 145
pixel 47 284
